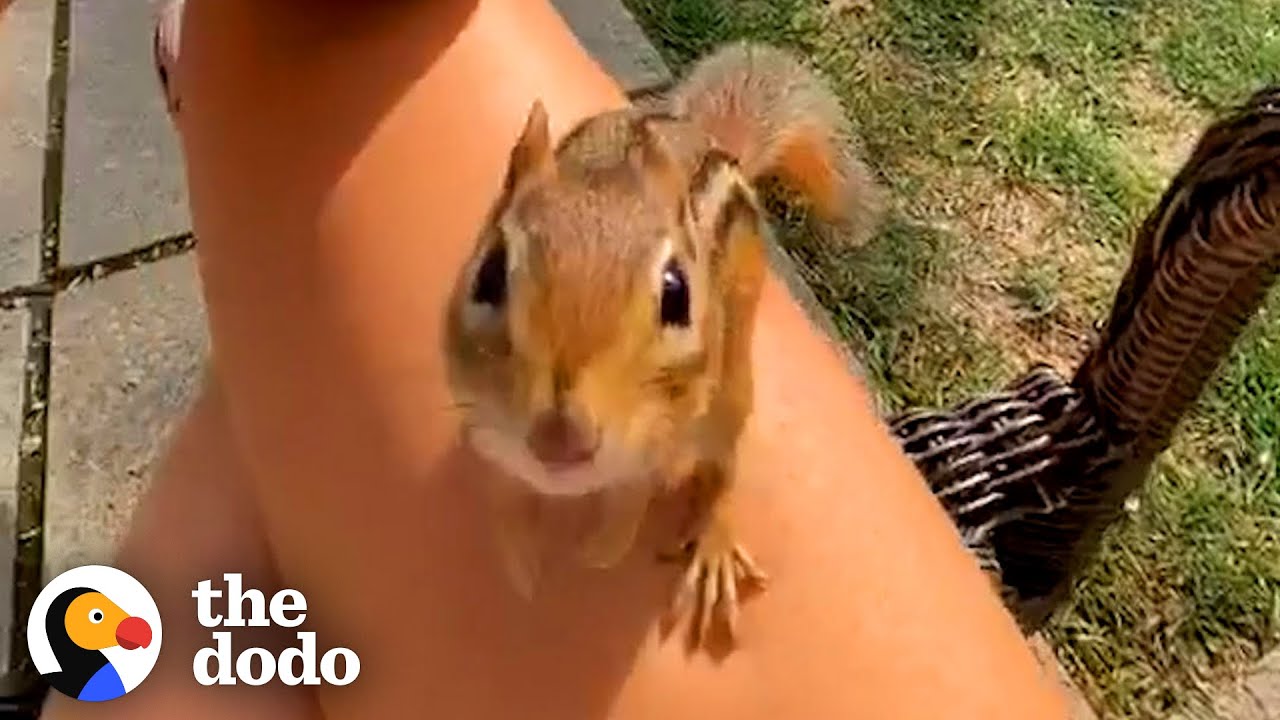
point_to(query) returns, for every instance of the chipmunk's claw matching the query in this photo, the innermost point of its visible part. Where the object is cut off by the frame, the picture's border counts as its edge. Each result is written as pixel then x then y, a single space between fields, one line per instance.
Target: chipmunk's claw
pixel 717 568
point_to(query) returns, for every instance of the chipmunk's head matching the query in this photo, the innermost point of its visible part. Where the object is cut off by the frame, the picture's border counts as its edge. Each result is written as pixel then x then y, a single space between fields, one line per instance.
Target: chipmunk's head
pixel 586 334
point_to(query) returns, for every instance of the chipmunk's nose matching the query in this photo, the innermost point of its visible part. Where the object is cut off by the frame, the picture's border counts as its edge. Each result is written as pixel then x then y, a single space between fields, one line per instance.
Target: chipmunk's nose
pixel 559 439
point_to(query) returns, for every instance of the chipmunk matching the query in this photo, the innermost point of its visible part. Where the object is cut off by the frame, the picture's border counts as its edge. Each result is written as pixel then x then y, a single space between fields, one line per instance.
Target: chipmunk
pixel 598 339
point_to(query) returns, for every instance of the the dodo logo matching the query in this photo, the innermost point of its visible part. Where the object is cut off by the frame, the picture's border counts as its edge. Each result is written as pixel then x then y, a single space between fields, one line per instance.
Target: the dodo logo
pixel 94 633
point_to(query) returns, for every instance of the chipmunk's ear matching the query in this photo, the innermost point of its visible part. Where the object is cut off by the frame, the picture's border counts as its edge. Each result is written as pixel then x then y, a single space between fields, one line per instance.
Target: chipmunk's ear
pixel 722 201
pixel 533 156
pixel 653 157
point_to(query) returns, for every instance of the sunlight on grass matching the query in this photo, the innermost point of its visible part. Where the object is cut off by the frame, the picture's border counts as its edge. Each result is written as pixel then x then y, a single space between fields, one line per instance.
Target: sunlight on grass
pixel 889 301
pixel 1223 50
pixel 1058 143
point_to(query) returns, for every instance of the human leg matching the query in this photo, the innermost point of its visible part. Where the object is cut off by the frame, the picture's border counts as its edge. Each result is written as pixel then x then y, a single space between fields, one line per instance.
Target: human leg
pixel 196 522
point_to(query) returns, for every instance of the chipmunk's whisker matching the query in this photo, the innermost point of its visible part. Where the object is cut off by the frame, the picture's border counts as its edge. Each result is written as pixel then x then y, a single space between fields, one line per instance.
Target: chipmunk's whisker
pixel 459 406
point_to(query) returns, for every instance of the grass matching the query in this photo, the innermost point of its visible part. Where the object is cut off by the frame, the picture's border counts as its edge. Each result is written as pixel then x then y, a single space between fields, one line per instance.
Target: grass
pixel 1022 142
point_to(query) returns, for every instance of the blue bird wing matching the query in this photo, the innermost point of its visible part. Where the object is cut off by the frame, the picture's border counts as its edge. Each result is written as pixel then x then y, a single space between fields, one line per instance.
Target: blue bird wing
pixel 104 685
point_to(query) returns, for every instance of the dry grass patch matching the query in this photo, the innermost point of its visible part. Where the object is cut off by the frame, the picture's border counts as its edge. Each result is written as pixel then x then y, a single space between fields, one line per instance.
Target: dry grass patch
pixel 1165 128
pixel 1025 275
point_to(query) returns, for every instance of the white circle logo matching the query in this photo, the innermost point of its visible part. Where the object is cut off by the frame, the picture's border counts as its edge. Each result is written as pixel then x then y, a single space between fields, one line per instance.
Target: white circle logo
pixel 94 633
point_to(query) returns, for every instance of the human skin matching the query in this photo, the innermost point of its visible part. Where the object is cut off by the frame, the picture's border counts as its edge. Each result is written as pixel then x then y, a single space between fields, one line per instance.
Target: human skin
pixel 340 160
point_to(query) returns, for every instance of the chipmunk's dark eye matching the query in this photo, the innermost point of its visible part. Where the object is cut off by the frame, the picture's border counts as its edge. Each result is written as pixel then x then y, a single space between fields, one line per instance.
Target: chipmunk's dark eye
pixel 675 295
pixel 490 286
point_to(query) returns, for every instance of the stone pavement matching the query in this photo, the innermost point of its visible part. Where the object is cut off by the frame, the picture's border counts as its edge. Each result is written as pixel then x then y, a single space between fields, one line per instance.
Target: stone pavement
pixel 1256 696
pixel 102 331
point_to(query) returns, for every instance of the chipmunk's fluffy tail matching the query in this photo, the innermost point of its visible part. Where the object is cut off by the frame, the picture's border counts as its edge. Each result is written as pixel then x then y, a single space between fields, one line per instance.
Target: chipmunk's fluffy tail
pixel 778 118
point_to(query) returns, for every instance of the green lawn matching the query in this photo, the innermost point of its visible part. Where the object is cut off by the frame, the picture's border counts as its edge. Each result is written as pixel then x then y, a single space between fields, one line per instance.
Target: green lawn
pixel 1023 140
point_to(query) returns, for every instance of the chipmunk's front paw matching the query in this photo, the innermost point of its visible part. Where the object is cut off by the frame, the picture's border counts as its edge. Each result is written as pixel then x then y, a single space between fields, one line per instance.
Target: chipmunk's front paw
pixel 719 567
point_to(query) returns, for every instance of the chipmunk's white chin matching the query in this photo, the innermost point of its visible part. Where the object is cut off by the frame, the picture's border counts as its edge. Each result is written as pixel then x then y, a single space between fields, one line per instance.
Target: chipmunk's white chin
pixel 569 479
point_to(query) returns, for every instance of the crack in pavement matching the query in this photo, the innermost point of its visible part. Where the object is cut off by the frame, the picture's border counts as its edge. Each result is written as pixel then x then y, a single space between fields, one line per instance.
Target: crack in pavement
pixel 28 568
pixel 69 276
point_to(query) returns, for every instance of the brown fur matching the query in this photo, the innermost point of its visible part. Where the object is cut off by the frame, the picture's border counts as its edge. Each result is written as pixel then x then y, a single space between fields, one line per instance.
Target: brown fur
pixel 761 104
pixel 584 224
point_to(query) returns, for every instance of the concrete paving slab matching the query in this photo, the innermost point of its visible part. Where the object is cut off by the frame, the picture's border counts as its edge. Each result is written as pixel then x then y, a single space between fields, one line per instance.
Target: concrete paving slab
pixel 13 336
pixel 26 40
pixel 127 356
pixel 615 40
pixel 1264 684
pixel 1256 696
pixel 124 183
pixel 1234 703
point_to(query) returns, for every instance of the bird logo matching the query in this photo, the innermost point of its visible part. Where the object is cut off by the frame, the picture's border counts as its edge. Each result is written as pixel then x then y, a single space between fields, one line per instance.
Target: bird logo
pixel 94 633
